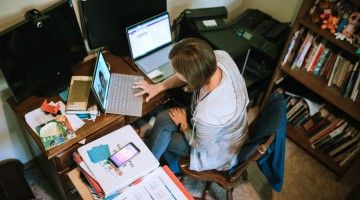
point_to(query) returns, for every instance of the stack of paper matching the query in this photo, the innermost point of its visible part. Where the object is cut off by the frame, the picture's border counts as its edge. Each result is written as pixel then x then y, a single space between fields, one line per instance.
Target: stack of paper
pixel 113 179
pixel 53 130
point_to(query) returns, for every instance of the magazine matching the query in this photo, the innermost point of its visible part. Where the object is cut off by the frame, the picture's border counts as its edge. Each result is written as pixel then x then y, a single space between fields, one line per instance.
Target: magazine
pixel 55 132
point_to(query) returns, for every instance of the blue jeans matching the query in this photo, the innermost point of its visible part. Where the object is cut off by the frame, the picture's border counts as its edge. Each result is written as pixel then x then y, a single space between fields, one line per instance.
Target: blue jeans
pixel 166 142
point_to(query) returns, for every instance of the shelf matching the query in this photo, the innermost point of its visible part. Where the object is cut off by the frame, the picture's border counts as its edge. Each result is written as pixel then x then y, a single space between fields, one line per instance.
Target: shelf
pixel 301 139
pixel 306 21
pixel 320 87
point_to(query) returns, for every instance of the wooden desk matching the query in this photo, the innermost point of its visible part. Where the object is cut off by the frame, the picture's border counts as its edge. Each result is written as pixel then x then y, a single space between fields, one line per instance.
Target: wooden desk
pixel 58 160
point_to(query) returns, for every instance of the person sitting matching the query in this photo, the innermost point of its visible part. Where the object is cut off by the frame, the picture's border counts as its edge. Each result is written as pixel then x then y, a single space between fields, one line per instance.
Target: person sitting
pixel 214 127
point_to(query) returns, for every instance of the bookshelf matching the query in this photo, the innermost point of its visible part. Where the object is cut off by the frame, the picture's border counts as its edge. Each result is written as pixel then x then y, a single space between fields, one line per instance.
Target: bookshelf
pixel 318 85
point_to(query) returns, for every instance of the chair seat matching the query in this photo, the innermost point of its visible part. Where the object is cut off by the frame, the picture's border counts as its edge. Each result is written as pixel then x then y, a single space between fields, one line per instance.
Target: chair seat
pixel 220 177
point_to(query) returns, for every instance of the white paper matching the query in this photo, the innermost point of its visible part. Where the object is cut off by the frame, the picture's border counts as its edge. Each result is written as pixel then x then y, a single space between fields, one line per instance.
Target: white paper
pixel 210 23
pixel 156 185
pixel 38 117
pixel 110 178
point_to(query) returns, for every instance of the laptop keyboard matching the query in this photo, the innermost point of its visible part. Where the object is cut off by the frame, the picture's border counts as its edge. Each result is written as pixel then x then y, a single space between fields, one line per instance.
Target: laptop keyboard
pixel 121 99
pixel 155 60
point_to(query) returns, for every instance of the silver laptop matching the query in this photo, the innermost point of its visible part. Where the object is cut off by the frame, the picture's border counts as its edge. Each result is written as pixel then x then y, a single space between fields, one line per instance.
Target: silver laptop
pixel 113 91
pixel 150 42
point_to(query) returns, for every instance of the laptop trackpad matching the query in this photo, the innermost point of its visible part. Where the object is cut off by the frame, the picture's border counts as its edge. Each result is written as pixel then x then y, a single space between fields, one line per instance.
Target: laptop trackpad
pixel 161 73
pixel 157 73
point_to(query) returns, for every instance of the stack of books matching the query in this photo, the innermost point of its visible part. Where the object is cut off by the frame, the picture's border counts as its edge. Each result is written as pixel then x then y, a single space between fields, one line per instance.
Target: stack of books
pixel 333 135
pixel 313 54
pixel 79 101
pixel 139 178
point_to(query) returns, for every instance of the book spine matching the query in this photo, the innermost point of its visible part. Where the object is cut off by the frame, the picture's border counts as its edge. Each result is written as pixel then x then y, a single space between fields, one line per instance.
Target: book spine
pixel 351 81
pixel 332 134
pixel 303 51
pixel 321 61
pixel 350 156
pixel 334 69
pixel 338 140
pixel 297 106
pixel 318 53
pixel 329 66
pixel 295 39
pixel 356 84
pixel 94 184
pixel 318 126
pixel 336 123
pixel 346 144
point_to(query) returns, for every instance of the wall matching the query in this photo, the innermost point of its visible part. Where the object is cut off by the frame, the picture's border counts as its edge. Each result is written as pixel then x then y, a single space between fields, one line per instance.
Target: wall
pixel 12 141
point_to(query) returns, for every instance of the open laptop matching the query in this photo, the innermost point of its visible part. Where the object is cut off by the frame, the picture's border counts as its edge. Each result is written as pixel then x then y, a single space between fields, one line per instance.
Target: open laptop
pixel 150 42
pixel 114 91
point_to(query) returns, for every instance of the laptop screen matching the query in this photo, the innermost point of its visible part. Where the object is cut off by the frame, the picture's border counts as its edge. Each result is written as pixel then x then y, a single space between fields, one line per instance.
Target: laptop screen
pixel 101 80
pixel 149 35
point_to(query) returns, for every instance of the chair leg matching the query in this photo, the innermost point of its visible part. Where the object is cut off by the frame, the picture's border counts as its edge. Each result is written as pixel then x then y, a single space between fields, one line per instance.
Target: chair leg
pixel 229 194
pixel 206 190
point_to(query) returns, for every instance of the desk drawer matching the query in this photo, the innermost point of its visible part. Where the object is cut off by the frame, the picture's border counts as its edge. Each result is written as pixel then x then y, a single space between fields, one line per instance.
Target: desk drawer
pixel 64 159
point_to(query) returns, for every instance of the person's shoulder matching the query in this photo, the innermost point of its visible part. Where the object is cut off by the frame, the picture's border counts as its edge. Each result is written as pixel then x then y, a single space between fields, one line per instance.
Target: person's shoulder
pixel 221 54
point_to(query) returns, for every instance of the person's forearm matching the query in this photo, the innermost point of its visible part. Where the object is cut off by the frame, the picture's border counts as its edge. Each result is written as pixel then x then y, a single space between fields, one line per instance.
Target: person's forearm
pixel 171 82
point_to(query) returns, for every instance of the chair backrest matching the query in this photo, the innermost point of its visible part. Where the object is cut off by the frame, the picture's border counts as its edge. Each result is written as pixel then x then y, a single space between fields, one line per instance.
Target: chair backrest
pixel 262 133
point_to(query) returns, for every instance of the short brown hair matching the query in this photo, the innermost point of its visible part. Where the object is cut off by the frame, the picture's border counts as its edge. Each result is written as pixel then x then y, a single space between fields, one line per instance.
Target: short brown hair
pixel 195 60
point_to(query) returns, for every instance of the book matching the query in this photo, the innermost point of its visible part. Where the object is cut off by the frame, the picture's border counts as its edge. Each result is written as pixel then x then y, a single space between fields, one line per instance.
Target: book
pixel 344 145
pixel 343 155
pixel 291 102
pixel 158 184
pixel 91 110
pixel 320 125
pixel 325 131
pixel 78 93
pixel 113 179
pixel 329 65
pixel 55 132
pixel 347 89
pixel 298 113
pixel 332 134
pixel 89 177
pixel 319 51
pixel 316 118
pixel 301 118
pixel 334 69
pixel 322 59
pixel 300 103
pixel 300 57
pixel 345 73
pixel 327 61
pixel 340 73
pixel 349 157
pixel 292 46
pixel 312 53
pixel 356 86
pixel 337 140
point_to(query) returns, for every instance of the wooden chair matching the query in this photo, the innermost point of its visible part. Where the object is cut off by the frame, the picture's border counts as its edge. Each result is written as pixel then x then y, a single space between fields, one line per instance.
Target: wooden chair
pixel 252 150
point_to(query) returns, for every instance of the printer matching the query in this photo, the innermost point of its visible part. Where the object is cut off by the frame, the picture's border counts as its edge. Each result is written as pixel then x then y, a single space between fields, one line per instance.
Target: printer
pixel 253 39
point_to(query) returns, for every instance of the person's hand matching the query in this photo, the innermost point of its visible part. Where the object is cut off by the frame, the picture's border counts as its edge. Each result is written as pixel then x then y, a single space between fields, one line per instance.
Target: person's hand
pixel 150 89
pixel 178 116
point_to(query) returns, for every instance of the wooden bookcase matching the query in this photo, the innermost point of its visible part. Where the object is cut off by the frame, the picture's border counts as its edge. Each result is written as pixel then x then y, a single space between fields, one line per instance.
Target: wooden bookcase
pixel 317 85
